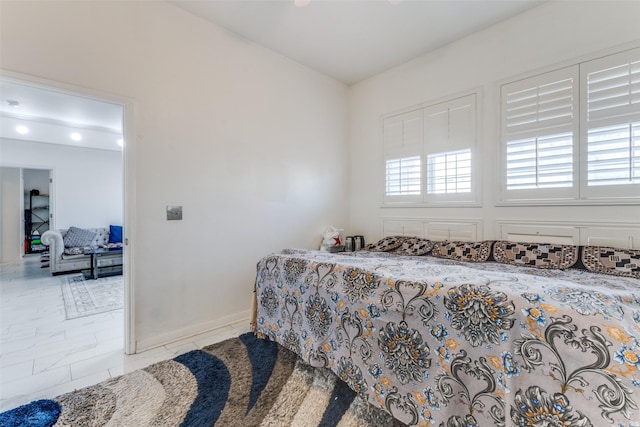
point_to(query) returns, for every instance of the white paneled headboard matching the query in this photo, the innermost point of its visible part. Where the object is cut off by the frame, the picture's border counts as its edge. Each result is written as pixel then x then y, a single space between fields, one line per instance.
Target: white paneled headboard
pixel 619 235
pixel 468 230
pixel 538 233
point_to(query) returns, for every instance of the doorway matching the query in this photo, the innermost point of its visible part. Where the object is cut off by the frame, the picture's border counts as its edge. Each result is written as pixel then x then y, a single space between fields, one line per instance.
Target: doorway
pixel 37 208
pixel 39 117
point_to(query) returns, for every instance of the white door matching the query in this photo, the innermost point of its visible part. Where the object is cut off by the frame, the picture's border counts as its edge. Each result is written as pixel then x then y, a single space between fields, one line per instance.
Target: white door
pixel 11 225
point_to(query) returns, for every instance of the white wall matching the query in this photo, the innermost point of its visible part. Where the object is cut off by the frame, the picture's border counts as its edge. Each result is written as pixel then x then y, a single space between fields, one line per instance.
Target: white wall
pixel 252 144
pixel 544 36
pixel 87 183
pixel 10 215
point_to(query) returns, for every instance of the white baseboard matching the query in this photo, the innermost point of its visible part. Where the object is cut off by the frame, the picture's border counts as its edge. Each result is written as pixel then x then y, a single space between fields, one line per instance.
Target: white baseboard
pixel 190 331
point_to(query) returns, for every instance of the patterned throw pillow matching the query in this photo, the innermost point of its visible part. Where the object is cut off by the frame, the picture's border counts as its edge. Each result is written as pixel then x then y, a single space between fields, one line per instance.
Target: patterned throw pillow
pixel 618 262
pixel 386 244
pixel 112 245
pixel 414 246
pixel 78 237
pixel 463 251
pixel 539 255
pixel 77 250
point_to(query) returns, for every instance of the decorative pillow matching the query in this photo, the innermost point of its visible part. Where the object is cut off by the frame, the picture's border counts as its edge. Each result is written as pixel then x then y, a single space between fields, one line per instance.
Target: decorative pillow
pixel 463 251
pixel 115 234
pixel 78 237
pixel 414 246
pixel 113 245
pixel 618 262
pixel 539 255
pixel 386 244
pixel 76 250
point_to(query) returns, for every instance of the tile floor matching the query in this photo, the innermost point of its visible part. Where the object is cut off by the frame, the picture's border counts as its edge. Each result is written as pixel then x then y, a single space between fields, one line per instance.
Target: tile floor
pixel 43 355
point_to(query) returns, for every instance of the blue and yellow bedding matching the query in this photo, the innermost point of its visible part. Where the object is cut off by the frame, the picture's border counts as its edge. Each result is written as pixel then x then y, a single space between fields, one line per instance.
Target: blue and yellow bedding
pixel 449 343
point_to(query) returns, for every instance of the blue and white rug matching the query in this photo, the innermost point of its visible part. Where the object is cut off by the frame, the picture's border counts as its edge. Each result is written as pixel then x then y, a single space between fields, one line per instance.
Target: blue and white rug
pixel 243 381
pixel 86 297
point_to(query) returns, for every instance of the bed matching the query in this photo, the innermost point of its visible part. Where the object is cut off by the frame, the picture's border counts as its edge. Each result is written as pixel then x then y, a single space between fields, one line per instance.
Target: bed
pixel 466 333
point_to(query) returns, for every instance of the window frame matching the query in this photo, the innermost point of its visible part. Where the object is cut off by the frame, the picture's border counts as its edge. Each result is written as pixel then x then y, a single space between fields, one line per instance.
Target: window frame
pixel 536 194
pixel 543 197
pixel 604 192
pixel 425 199
pixel 402 149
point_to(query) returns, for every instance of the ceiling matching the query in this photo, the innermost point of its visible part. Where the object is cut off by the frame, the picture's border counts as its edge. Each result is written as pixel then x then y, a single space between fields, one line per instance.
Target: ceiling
pixel 347 40
pixel 353 40
pixel 51 116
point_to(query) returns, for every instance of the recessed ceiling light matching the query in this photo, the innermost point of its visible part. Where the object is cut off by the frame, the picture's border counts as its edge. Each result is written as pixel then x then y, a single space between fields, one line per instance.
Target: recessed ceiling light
pixel 76 136
pixel 22 129
pixel 301 3
pixel 13 103
pixel 121 142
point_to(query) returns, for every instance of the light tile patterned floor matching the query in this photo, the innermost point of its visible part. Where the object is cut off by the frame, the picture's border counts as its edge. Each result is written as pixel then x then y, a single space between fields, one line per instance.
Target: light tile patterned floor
pixel 43 355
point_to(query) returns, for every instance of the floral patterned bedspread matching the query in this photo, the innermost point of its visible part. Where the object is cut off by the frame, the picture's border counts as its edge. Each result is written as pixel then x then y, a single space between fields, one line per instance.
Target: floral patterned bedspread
pixel 448 343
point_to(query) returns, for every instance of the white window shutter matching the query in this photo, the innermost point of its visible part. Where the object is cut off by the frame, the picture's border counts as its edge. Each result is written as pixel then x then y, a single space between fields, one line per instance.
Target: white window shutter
pixel 403 133
pixel 451 125
pixel 403 157
pixel 403 176
pixel 610 122
pixel 462 124
pixel 539 132
pixel 450 144
pixel 429 154
pixel 449 172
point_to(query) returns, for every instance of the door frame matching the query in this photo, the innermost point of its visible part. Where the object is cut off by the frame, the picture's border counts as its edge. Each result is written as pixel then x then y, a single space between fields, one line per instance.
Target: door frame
pixel 128 191
pixel 52 196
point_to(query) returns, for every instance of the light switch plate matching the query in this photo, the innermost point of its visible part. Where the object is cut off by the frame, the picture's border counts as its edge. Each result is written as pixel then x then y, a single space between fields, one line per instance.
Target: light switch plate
pixel 174 213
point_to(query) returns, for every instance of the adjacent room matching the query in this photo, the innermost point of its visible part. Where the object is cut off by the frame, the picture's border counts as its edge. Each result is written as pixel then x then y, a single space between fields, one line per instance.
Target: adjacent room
pixel 60 297
pixel 500 134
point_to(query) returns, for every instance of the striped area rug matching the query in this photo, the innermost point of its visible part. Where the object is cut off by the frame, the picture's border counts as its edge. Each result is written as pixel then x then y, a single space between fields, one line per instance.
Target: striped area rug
pixel 243 381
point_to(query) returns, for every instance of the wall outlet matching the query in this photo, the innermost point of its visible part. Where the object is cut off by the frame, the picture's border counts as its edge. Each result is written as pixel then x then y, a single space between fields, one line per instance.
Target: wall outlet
pixel 174 213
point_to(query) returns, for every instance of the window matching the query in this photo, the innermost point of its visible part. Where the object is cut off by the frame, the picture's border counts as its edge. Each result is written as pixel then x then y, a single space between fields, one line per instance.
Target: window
pixel 450 172
pixel 573 133
pixel 403 176
pixel 403 154
pixel 611 126
pixel 540 162
pixel 613 155
pixel 540 124
pixel 429 154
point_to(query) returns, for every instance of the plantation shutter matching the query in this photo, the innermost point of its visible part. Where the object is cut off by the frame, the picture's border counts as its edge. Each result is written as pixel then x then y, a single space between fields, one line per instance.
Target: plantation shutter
pixel 403 157
pixel 450 140
pixel 539 132
pixel 611 126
